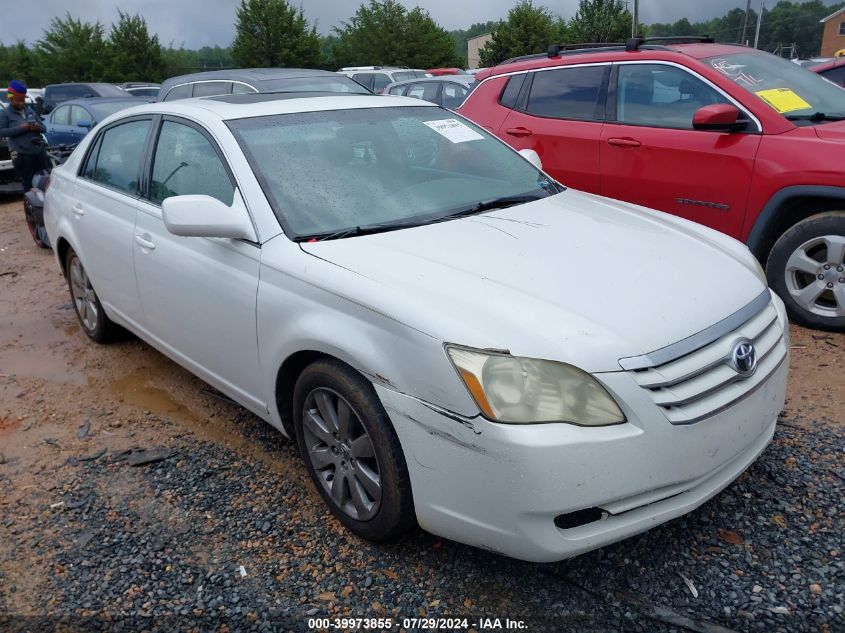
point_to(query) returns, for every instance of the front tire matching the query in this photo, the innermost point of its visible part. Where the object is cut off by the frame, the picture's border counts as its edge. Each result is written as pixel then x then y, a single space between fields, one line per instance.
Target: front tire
pixel 806 267
pixel 92 318
pixel 351 451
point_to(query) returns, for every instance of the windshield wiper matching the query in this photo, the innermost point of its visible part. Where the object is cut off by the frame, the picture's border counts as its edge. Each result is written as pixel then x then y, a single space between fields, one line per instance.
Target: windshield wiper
pixel 367 229
pixel 495 203
pixel 816 116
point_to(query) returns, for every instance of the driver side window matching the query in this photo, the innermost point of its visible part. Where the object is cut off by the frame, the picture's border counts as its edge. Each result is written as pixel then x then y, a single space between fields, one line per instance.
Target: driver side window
pixel 658 95
pixel 186 163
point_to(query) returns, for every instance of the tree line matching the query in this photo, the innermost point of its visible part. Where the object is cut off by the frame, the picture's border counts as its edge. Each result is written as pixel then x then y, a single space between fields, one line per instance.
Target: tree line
pixel 275 33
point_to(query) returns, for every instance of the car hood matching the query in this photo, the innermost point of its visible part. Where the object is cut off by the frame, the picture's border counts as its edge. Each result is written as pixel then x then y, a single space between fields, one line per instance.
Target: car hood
pixel 833 131
pixel 575 278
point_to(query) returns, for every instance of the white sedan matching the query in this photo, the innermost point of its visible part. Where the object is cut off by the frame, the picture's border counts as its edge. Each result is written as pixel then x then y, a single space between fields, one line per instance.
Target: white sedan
pixel 452 337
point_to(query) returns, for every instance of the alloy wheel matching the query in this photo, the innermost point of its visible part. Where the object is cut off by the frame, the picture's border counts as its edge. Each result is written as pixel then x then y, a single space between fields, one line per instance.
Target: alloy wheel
pixel 341 453
pixel 815 275
pixel 83 296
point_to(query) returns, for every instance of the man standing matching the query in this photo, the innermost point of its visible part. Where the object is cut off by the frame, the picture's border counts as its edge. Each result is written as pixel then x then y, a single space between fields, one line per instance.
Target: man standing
pixel 23 127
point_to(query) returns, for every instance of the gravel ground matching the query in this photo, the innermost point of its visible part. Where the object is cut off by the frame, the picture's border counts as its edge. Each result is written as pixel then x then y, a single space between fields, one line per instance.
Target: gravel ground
pixel 224 532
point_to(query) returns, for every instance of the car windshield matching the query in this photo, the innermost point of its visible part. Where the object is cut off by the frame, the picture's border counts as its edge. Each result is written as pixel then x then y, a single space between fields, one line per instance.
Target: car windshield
pixel 789 89
pixel 341 83
pixel 341 172
pixel 102 110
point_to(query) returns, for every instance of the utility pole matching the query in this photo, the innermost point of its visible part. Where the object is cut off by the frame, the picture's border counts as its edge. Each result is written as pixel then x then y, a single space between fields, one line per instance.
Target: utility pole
pixel 745 23
pixel 759 21
pixel 635 18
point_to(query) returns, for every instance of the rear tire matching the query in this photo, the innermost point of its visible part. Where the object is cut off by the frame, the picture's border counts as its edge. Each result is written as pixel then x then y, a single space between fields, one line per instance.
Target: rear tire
pixel 92 318
pixel 36 227
pixel 352 452
pixel 806 268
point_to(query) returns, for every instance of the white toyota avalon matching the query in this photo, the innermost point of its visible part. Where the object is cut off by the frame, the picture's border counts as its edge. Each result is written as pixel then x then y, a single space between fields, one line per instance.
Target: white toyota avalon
pixel 452 338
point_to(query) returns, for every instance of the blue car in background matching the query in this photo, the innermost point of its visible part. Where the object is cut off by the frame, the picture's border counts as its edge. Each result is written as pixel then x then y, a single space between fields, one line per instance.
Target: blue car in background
pixel 72 120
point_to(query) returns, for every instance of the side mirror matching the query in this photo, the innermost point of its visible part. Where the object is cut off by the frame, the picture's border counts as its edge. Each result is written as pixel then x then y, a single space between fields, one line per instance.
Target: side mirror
pixel 532 157
pixel 86 123
pixel 719 117
pixel 39 105
pixel 204 216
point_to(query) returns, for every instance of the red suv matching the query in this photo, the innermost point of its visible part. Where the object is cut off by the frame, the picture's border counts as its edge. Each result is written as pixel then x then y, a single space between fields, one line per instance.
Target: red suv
pixel 734 138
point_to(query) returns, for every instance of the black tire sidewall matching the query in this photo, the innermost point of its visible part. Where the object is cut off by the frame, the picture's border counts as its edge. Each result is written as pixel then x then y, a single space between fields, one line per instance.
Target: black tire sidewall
pixel 100 333
pixel 832 223
pixel 395 515
pixel 33 224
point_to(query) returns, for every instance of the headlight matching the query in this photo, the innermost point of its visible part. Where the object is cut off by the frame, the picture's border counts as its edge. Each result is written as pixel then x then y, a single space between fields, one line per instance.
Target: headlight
pixel 528 390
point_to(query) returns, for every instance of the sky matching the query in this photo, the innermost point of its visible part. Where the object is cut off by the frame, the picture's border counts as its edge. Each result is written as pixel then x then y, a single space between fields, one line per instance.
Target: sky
pixel 199 23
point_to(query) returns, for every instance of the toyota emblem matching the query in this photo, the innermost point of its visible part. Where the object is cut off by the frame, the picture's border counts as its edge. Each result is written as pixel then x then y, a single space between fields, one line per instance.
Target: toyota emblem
pixel 743 357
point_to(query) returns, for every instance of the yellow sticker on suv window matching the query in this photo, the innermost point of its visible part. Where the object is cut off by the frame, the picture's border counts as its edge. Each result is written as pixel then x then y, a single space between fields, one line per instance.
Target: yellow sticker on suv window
pixel 783 100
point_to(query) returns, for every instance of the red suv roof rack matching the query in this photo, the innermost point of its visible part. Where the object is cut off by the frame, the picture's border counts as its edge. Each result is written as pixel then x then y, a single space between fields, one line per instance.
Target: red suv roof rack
pixel 634 43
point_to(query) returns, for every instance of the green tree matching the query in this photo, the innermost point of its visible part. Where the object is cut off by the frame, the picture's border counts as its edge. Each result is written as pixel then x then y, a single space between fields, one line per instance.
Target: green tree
pixel 427 44
pixel 132 53
pixel 528 29
pixel 600 21
pixel 71 50
pixel 385 33
pixel 272 33
pixel 373 36
pixel 17 62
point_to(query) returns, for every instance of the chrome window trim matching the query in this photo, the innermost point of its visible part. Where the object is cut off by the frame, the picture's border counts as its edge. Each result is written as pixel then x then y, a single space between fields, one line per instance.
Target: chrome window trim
pixel 206 81
pixel 697 341
pixel 689 70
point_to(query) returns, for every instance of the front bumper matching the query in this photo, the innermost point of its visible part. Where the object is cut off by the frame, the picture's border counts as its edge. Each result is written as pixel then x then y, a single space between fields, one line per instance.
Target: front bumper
pixel 500 487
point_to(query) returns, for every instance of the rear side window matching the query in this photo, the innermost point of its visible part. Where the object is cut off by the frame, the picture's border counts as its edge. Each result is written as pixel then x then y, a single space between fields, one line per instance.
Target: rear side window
pixel 186 163
pixel 511 91
pixel 365 79
pixel 569 93
pixel 61 116
pixel 116 160
pixel 241 89
pixel 179 92
pixel 404 75
pixel 212 88
pixel 453 94
pixel 397 90
pixel 427 91
pixel 381 81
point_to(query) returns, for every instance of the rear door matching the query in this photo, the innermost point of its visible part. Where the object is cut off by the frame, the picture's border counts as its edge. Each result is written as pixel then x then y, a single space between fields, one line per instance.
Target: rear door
pixel 559 113
pixel 104 213
pixel 651 155
pixel 78 115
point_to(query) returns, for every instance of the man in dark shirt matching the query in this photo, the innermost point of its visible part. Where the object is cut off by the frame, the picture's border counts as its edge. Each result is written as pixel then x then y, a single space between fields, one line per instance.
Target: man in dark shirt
pixel 23 127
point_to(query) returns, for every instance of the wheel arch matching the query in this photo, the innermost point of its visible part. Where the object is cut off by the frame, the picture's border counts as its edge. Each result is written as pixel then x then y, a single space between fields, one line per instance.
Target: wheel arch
pixel 62 247
pixel 286 377
pixel 785 209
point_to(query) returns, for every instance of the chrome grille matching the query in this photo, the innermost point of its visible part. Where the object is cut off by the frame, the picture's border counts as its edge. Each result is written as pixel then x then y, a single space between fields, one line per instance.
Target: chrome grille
pixel 703 382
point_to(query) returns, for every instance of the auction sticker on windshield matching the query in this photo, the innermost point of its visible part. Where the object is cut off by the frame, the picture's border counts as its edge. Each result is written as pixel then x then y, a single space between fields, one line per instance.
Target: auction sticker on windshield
pixel 454 130
pixel 783 100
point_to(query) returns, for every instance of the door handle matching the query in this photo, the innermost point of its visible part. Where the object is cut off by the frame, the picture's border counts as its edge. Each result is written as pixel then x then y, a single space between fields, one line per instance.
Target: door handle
pixel 77 210
pixel 623 142
pixel 141 241
pixel 519 131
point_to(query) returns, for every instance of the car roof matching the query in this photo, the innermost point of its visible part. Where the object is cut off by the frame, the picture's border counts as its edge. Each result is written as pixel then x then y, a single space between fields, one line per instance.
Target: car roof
pixel 93 84
pixel 247 75
pixel 613 52
pixel 244 106
pixel 98 100
pixel 462 79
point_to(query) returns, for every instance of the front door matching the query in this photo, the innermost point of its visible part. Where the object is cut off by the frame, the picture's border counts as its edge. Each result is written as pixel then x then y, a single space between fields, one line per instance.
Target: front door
pixel 198 294
pixel 651 155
